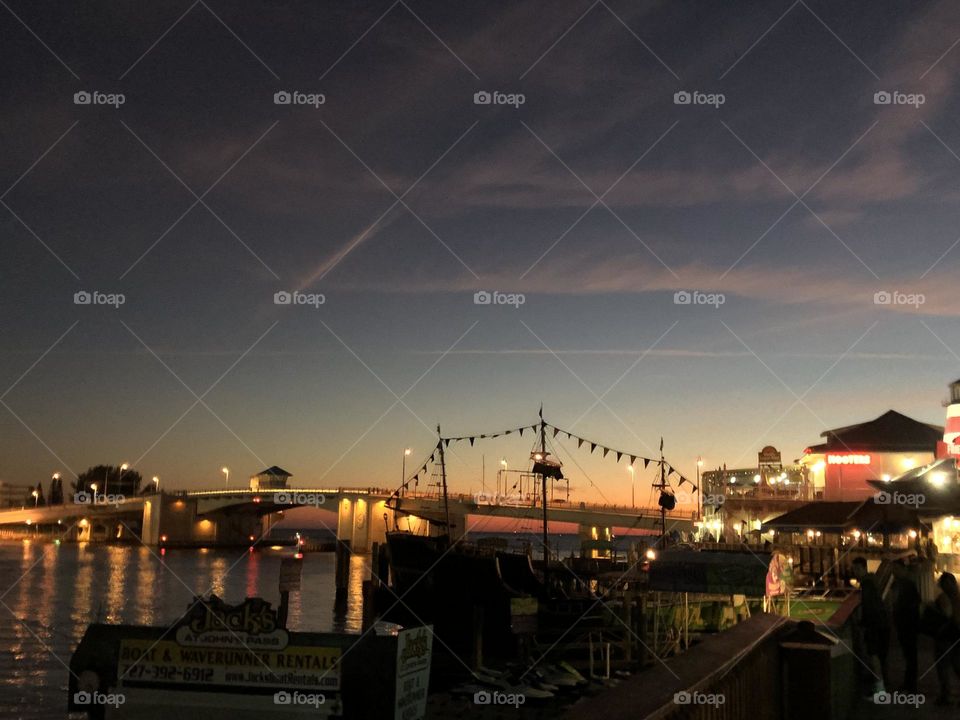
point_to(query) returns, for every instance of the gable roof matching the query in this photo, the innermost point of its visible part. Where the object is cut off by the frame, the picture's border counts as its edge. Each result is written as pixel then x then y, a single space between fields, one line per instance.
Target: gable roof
pixel 890 432
pixel 274 470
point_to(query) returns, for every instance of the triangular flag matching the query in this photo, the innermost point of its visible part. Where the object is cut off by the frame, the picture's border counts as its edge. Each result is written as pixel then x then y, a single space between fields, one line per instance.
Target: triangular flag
pixel 447 441
pixel 633 459
pixel 555 431
pixel 605 451
pixel 619 455
pixel 569 436
pixel 579 442
pixel 646 461
pixel 508 432
pixel 593 446
pixel 521 431
pixel 471 441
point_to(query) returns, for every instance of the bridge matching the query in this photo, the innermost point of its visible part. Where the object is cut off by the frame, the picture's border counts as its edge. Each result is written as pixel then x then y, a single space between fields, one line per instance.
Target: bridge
pixel 241 516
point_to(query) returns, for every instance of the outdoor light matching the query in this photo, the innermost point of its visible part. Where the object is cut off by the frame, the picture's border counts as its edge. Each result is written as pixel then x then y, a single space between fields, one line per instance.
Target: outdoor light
pixel 733 480
pixel 818 466
pixel 651 554
pixel 938 478
pixel 856 534
pixel 886 477
pixel 913 533
pixel 756 478
pixel 809 533
pixel 909 463
pixel 819 533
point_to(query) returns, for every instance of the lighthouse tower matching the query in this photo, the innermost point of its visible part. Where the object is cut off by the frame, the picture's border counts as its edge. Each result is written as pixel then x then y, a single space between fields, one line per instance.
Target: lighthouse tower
pixel 950 447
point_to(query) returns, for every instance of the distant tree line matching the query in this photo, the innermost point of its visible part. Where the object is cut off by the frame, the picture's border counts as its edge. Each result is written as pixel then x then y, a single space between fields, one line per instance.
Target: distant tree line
pixel 109 479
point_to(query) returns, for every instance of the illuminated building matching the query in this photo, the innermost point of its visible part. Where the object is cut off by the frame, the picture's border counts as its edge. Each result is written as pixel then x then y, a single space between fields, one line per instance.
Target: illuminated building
pixel 883 448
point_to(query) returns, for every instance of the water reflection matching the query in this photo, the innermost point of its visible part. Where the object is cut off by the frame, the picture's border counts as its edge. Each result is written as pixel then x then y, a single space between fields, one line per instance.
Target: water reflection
pixel 55 591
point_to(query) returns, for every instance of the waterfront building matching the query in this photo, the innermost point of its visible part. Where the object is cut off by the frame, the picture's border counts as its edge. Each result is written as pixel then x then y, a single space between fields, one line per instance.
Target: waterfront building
pixel 841 468
pixel 15 496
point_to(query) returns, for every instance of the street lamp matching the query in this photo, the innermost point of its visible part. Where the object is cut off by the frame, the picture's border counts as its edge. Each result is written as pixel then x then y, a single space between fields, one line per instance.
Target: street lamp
pixel 403 467
pixel 106 476
pixel 699 489
pixel 93 487
pixel 156 482
pixel 226 471
pixel 633 500
pixel 36 498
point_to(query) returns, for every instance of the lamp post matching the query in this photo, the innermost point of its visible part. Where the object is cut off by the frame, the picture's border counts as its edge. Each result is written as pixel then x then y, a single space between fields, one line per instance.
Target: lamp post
pixel 36 498
pixel 403 468
pixel 700 489
pixel 106 476
pixel 503 464
pixel 156 482
pixel 226 472
pixel 633 497
pixel 93 487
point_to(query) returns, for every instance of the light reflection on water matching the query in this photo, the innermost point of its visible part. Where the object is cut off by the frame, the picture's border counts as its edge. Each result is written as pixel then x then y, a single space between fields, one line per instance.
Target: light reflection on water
pixel 54 592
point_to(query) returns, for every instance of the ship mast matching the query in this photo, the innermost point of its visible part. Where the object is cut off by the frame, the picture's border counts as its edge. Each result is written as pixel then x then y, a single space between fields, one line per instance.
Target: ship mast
pixel 543 453
pixel 663 510
pixel 443 482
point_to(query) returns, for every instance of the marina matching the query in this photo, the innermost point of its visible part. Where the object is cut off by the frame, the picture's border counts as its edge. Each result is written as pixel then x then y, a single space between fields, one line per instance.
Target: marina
pixel 418 360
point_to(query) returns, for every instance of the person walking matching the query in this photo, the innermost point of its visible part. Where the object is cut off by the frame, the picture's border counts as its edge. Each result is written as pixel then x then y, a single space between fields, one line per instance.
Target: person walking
pixel 946 642
pixel 874 625
pixel 906 620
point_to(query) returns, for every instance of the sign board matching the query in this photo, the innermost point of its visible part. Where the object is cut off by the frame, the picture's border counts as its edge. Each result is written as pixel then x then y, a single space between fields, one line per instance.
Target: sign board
pixel 523 615
pixel 147 662
pixel 230 646
pixel 290 574
pixel 769 456
pixel 848 459
pixel 414 649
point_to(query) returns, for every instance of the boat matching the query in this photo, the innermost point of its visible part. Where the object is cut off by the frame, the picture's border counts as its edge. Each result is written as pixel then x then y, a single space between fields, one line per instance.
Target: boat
pixel 475 594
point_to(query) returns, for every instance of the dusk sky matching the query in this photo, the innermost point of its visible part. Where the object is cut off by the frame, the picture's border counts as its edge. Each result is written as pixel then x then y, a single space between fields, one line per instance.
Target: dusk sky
pixel 797 200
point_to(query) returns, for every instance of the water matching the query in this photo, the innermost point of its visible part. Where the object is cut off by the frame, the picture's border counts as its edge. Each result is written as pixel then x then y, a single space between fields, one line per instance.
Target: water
pixel 50 593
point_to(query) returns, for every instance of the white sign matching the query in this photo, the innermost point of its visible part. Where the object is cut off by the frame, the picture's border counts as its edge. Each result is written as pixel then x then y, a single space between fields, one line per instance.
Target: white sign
pixel 414 648
pixel 148 662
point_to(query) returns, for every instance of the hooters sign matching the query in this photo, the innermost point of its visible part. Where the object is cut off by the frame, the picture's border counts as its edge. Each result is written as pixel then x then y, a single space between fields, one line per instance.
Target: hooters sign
pixel 848 459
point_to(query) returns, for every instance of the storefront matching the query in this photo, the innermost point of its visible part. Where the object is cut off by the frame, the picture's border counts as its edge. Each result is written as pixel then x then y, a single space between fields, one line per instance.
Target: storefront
pixel 888 446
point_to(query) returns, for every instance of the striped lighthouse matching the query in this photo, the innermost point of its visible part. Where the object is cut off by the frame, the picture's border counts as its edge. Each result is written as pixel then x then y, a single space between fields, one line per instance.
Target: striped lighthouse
pixel 950 447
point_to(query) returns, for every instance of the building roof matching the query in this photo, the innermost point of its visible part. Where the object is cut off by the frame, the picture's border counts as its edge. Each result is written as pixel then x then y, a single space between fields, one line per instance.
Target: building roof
pixel 829 515
pixel 891 432
pixel 868 515
pixel 938 484
pixel 276 471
